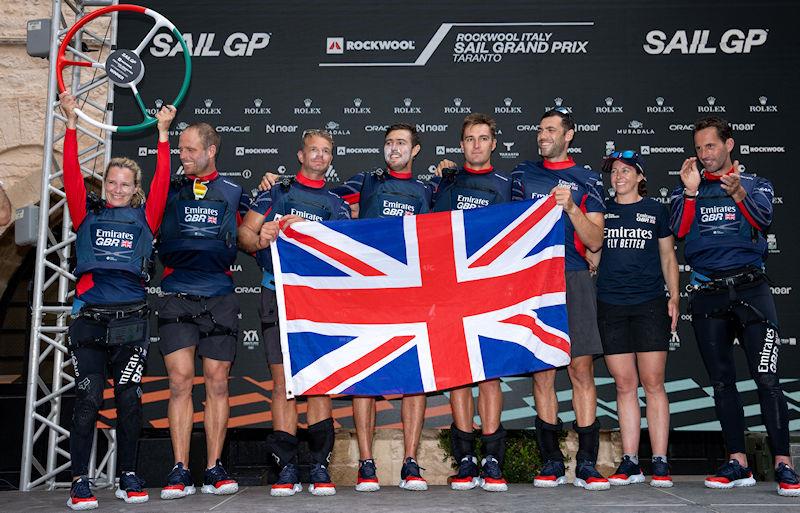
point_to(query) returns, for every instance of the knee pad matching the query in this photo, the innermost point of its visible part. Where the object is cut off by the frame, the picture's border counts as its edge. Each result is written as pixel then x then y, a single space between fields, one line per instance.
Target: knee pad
pixel 320 441
pixel 283 447
pixel 547 437
pixel 588 441
pixel 88 399
pixel 462 443
pixel 495 444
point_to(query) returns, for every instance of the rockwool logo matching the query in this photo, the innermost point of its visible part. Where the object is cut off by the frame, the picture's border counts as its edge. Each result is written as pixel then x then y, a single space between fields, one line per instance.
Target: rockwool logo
pixel 655 150
pixel 338 45
pixel 746 149
pixel 334 45
pixel 686 42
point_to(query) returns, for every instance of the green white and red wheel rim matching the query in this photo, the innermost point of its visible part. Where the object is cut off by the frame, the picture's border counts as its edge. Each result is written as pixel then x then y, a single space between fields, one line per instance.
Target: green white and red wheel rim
pixel 124 62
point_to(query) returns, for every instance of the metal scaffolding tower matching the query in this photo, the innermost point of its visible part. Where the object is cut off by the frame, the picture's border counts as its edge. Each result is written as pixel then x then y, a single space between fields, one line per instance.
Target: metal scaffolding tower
pixel 45 451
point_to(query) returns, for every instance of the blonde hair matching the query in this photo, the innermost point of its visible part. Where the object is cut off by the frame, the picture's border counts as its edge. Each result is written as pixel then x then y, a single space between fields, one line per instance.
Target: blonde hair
pixel 124 162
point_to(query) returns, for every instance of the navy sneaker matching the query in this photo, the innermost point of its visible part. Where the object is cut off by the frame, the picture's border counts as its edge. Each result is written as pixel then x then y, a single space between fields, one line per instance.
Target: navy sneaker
pixel 661 477
pixel 131 489
pixel 367 477
pixel 552 474
pixel 179 483
pixel 492 475
pixel 627 473
pixel 81 497
pixel 586 476
pixel 730 475
pixel 410 476
pixel 788 481
pixel 218 482
pixel 288 482
pixel 321 483
pixel 467 477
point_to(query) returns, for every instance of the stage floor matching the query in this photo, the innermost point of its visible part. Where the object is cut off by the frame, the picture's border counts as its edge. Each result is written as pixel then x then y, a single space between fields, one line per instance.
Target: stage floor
pixel 687 496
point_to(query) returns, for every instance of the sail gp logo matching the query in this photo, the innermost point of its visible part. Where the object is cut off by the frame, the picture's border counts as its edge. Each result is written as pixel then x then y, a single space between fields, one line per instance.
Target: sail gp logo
pixel 477 42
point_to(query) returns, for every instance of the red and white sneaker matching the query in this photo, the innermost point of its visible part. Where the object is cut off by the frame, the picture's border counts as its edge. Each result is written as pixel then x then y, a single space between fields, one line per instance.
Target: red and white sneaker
pixel 367 477
pixel 131 489
pixel 81 497
pixel 410 477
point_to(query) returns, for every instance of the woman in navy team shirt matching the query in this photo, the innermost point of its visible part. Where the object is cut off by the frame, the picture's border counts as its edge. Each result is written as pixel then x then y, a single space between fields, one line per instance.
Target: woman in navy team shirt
pixel 634 316
pixel 114 241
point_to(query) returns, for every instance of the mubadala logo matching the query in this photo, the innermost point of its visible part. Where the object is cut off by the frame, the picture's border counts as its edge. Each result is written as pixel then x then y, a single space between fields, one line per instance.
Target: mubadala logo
pixel 357 108
pixel 635 127
pixel 507 107
pixel 772 243
pixel 338 45
pixel 280 129
pixel 654 150
pixel 257 109
pixel 457 108
pixel 242 151
pixel 711 107
pixel 609 107
pixel 746 149
pixel 236 129
pixel 348 150
pixel 238 44
pixel 686 42
pixel 763 106
pixel 660 107
pixel 334 128
pixel 407 108
pixel 508 154
pixel 179 128
pixel 307 108
pixel 207 108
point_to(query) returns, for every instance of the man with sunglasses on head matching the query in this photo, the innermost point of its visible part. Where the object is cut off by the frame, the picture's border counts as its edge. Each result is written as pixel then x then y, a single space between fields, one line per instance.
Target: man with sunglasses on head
pixel 291 200
pixel 579 191
pixel 723 214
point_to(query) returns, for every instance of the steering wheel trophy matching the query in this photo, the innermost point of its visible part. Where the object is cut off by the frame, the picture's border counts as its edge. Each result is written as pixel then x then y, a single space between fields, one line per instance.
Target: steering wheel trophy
pixel 124 67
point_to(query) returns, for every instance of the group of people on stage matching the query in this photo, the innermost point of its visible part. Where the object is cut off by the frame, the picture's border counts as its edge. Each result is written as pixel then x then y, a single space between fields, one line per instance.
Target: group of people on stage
pixel 201 220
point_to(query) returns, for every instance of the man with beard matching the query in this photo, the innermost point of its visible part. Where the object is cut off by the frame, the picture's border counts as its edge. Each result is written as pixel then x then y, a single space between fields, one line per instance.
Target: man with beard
pixel 579 191
pixel 723 214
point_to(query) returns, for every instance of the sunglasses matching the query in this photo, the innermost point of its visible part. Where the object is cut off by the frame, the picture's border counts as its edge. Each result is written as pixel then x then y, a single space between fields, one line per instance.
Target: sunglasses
pixel 627 154
pixel 316 131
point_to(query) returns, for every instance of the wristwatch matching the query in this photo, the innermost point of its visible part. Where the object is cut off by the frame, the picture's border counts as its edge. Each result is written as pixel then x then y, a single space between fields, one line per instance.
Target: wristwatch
pixel 691 196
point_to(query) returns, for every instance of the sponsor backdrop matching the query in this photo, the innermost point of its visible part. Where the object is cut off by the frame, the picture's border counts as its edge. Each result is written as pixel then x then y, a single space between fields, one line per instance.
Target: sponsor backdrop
pixel 635 76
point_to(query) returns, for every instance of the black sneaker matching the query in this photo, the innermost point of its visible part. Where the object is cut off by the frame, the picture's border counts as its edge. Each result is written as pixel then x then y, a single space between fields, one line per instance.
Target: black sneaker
pixel 131 489
pixel 467 477
pixel 586 476
pixel 367 477
pixel 788 481
pixel 218 482
pixel 627 473
pixel 321 483
pixel 81 497
pixel 730 475
pixel 410 477
pixel 551 475
pixel 661 477
pixel 288 482
pixel 492 475
pixel 179 483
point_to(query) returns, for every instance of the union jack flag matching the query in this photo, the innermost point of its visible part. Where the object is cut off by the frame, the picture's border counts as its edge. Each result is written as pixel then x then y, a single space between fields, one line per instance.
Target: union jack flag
pixel 421 303
pixel 127 244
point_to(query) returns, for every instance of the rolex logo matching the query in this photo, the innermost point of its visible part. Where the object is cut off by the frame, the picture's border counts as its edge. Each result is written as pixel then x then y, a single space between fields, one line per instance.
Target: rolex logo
pixel 558 101
pixel 457 102
pixel 257 102
pixel 609 101
pixel 507 101
pixel 357 108
pixel 160 103
pixel 357 102
pixel 711 100
pixel 610 147
pixel 208 102
pixel 663 191
pixel 762 100
pixel 307 102
pixel 660 101
pixel 611 192
pixel 407 102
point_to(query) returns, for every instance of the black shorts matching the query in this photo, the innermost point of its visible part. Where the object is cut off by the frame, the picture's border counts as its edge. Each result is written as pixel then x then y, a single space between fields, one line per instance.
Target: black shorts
pixel 268 312
pixel 582 315
pixel 634 328
pixel 178 335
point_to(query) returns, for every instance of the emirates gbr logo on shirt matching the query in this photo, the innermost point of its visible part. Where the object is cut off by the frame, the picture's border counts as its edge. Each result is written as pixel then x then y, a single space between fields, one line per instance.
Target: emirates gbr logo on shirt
pixel 113 238
pixel 200 215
